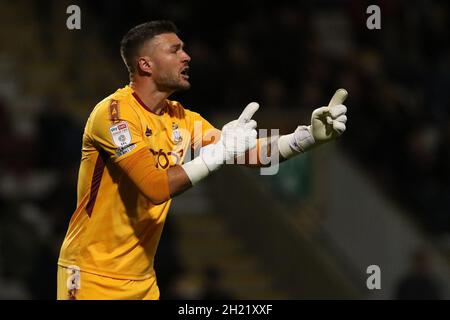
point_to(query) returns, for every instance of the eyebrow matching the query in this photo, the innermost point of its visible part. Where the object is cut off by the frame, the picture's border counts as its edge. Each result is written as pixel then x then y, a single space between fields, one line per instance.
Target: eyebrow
pixel 177 46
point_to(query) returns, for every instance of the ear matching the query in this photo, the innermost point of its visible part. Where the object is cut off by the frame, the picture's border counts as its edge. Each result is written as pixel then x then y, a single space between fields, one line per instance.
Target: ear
pixel 145 65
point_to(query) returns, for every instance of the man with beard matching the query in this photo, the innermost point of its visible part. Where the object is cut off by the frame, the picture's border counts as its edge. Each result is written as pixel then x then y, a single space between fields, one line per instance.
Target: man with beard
pixel 134 161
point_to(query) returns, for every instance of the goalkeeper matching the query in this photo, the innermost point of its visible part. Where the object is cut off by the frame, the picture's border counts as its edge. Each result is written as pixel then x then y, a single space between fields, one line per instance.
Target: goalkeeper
pixel 134 162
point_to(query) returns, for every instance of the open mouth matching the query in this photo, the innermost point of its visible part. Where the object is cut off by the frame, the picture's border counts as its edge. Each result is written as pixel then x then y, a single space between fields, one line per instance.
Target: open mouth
pixel 184 72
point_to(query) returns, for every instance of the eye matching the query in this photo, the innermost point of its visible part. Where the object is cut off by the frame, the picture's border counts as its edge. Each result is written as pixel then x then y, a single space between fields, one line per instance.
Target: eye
pixel 176 48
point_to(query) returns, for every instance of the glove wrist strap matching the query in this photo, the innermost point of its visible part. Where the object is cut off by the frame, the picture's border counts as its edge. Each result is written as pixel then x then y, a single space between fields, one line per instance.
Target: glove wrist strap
pixel 300 141
pixel 210 159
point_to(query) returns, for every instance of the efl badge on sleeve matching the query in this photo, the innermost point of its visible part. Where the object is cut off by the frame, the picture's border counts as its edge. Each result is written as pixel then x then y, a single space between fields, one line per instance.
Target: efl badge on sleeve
pixel 176 136
pixel 121 134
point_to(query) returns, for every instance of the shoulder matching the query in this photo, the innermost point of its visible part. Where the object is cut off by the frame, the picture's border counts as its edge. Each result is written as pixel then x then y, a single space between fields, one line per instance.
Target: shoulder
pixel 115 107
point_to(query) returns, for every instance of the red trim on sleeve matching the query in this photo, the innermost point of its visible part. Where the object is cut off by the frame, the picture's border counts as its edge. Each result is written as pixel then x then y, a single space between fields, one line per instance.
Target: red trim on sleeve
pixel 95 183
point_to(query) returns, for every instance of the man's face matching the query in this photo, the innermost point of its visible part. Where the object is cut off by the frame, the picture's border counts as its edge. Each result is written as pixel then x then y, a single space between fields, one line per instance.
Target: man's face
pixel 169 62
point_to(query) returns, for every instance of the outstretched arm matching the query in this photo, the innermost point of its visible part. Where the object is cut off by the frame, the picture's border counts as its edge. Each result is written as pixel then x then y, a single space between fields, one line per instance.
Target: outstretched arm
pixel 327 123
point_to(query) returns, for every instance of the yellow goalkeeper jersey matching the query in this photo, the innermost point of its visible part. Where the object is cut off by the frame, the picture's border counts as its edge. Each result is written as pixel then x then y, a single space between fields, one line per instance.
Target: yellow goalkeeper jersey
pixel 115 230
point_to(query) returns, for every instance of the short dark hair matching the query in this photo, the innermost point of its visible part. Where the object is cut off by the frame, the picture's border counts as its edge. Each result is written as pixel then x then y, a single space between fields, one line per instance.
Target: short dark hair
pixel 135 38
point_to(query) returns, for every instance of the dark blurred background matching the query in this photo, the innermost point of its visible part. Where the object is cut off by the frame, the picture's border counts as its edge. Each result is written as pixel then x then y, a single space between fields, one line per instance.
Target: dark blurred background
pixel 288 56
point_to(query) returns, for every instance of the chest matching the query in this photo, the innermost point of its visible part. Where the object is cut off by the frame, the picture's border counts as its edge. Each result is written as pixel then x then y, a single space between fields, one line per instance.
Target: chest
pixel 168 139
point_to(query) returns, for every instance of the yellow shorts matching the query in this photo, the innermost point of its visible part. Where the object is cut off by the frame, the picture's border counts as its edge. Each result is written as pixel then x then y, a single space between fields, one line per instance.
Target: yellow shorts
pixel 74 284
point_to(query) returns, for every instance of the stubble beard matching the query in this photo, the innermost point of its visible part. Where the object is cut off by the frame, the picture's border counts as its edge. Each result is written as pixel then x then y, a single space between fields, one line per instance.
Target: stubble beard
pixel 173 84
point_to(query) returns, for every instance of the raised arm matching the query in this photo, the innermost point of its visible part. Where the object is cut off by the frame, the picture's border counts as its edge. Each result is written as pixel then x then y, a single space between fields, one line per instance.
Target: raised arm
pixel 327 123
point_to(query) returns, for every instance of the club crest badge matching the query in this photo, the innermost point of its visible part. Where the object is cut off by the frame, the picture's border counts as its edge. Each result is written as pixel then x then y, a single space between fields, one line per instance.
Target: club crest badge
pixel 176 136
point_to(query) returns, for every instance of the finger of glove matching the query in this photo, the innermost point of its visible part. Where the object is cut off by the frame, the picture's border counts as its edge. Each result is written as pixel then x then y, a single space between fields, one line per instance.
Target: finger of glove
pixel 338 110
pixel 329 120
pixel 338 98
pixel 320 111
pixel 248 113
pixel 239 134
pixel 249 135
pixel 338 126
pixel 229 125
pixel 252 124
pixel 342 118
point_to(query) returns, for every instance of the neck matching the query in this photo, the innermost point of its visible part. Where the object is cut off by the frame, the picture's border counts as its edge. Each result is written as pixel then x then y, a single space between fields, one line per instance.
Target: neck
pixel 150 95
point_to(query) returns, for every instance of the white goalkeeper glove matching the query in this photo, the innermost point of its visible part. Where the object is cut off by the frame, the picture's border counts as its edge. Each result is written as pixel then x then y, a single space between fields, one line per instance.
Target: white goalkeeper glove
pixel 237 137
pixel 327 123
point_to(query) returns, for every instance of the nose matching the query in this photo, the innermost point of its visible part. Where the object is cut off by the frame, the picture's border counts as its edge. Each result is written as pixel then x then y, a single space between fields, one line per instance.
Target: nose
pixel 185 57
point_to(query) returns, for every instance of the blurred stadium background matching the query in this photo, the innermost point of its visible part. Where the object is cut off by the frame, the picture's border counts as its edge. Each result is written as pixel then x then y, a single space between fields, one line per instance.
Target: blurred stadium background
pixel 379 196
